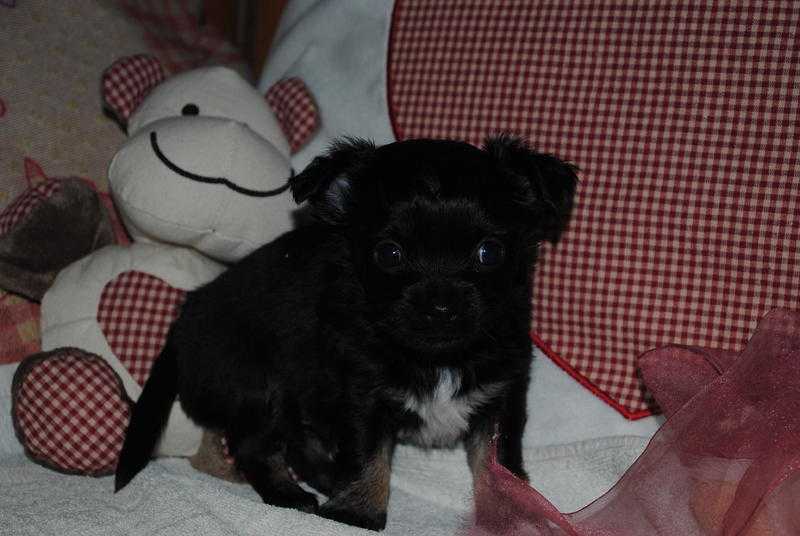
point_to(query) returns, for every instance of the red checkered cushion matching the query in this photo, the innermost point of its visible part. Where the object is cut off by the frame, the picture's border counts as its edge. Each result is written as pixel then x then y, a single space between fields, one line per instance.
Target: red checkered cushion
pixel 70 411
pixel 295 109
pixel 25 203
pixel 684 118
pixel 128 81
pixel 135 312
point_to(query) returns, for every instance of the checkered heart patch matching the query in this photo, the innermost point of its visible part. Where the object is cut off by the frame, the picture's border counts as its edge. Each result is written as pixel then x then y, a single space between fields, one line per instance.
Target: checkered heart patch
pixel 135 312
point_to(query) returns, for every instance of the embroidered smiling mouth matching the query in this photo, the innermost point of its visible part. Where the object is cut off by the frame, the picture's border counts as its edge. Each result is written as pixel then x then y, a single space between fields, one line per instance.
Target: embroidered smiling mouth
pixel 212 180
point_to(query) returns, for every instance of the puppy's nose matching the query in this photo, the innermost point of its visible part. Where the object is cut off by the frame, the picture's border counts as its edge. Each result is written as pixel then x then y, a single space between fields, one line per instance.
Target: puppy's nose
pixel 441 312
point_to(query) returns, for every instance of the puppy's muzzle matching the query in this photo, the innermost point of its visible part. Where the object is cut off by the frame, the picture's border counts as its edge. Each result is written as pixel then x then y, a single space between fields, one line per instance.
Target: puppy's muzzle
pixel 441 312
pixel 443 304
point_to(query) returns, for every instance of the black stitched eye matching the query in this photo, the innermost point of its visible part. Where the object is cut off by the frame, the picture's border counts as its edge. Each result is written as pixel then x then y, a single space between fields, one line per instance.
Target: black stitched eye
pixel 388 255
pixel 490 253
pixel 190 109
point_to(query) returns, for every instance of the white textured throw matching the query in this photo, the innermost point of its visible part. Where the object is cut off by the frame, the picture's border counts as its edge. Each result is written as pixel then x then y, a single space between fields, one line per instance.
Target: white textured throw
pixel 575 449
pixel 430 496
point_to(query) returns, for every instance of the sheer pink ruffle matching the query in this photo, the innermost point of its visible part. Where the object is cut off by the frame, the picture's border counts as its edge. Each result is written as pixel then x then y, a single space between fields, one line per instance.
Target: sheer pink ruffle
pixel 726 462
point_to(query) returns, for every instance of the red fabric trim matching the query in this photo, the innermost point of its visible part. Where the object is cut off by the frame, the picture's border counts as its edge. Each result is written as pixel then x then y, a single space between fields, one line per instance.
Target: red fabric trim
pixel 564 365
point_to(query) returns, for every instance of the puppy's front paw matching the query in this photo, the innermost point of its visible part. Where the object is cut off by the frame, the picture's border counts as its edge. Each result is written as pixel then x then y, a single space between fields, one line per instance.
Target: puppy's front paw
pixel 518 471
pixel 364 519
pixel 292 497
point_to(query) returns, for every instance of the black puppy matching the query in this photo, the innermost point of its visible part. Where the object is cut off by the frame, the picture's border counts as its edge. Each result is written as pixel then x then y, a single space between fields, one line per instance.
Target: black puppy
pixel 400 314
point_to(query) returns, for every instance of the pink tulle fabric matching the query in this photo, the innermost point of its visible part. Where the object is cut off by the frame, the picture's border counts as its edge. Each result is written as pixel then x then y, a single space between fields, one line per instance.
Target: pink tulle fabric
pixel 726 462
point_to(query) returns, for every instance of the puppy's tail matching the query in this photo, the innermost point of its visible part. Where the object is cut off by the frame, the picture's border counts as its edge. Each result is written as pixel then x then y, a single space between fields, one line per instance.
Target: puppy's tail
pixel 148 418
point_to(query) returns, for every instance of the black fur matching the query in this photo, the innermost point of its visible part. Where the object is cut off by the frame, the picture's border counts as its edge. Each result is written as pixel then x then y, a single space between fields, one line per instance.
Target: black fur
pixel 305 353
pixel 148 418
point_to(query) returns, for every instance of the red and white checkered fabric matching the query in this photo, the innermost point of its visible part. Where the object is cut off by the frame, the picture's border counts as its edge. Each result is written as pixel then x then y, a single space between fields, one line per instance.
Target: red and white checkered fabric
pixel 172 31
pixel 19 317
pixel 684 118
pixel 25 203
pixel 295 110
pixel 135 312
pixel 70 411
pixel 128 81
pixel 19 328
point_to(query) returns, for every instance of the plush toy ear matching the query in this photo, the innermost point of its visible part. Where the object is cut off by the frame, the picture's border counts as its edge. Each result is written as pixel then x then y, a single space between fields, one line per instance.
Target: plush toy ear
pixel 127 82
pixel 544 185
pixel 326 183
pixel 295 109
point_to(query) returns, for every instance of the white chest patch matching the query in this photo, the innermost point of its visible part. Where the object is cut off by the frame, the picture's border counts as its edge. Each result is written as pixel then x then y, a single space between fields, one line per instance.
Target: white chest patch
pixel 444 414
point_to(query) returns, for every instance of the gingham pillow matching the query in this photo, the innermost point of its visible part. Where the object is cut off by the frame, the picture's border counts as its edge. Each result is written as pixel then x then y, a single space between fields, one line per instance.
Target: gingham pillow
pixel 135 312
pixel 684 120
pixel 70 411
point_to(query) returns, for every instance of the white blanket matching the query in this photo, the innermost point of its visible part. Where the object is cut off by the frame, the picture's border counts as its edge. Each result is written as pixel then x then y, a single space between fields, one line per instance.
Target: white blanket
pixel 430 496
pixel 576 447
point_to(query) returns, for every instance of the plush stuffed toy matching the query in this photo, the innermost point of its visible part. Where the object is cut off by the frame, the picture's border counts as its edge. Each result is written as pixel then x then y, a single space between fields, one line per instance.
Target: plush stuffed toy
pixel 201 182
pixel 49 225
pixel 46 228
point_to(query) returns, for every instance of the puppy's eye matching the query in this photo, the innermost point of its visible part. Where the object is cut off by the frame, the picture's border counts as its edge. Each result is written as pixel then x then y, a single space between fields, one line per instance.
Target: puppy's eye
pixel 490 253
pixel 190 109
pixel 388 255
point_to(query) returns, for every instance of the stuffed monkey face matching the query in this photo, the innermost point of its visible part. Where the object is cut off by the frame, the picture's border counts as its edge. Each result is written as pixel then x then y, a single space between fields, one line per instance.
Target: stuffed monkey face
pixel 210 92
pixel 205 166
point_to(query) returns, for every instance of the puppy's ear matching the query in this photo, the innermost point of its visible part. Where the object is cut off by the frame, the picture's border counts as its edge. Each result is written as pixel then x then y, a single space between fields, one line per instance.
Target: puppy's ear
pixel 327 182
pixel 543 185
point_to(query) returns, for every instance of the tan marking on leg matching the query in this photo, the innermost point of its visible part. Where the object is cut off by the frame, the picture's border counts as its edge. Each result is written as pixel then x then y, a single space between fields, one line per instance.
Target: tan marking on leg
pixel 371 490
pixel 210 458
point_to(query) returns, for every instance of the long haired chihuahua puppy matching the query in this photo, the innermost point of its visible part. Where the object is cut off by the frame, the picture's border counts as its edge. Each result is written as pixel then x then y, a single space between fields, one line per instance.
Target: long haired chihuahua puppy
pixel 399 314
